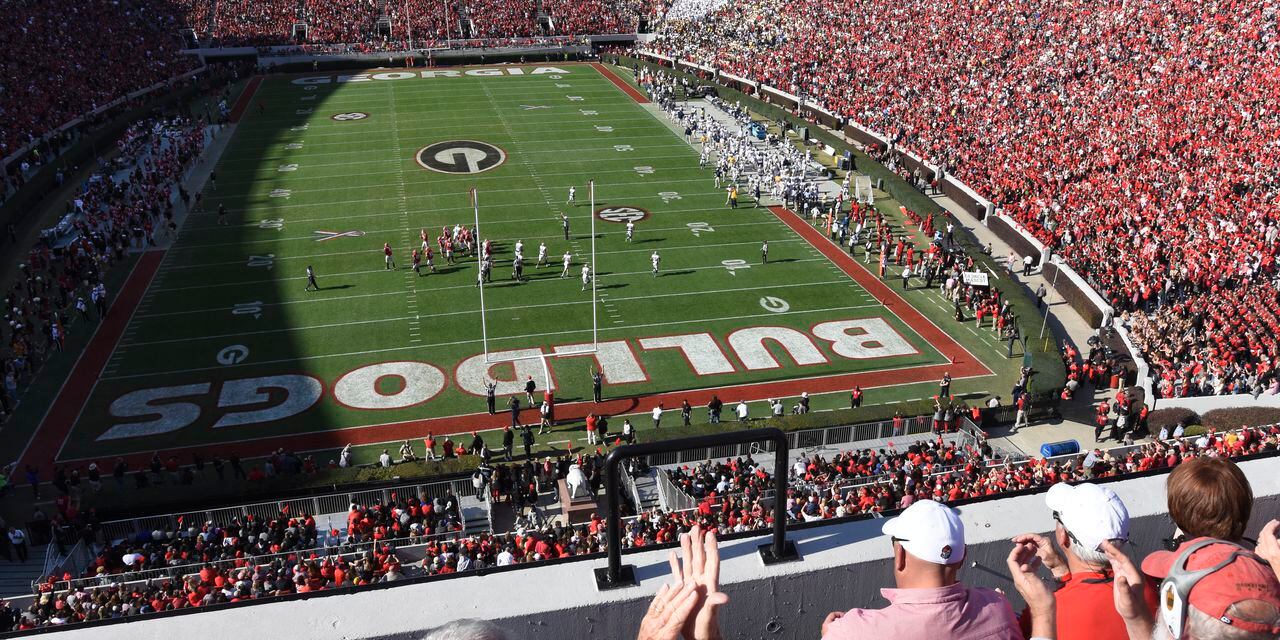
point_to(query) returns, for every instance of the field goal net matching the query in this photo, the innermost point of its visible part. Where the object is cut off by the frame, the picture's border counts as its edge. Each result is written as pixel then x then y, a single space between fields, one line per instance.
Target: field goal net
pixel 492 356
pixel 862 192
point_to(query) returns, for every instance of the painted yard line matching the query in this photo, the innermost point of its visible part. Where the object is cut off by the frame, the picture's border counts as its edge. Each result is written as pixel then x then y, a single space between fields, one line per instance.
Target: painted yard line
pixel 700 321
pixel 604 274
pixel 405 160
pixel 274 140
pixel 653 183
pixel 471 286
pixel 312 205
pixel 202 265
pixel 65 410
pixel 326 129
pixel 521 221
pixel 311 238
pixel 302 154
pixel 265 170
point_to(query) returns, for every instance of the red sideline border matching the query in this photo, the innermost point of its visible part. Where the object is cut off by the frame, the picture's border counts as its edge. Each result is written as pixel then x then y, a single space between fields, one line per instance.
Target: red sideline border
pixel 882 292
pixel 962 365
pixel 67 406
pixel 620 83
pixel 246 98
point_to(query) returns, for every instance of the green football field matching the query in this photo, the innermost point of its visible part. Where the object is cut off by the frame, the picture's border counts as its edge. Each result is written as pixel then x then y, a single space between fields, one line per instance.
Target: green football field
pixel 228 346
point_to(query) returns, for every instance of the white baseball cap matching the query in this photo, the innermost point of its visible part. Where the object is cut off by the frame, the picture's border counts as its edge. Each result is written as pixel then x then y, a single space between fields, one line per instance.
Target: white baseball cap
pixel 929 531
pixel 1092 513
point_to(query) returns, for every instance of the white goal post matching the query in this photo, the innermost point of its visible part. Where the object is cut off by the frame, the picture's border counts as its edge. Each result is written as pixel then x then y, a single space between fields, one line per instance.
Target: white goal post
pixel 489 356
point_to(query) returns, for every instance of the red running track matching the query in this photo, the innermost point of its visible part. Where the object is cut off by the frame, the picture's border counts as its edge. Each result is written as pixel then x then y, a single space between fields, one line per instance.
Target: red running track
pixel 75 391
pixel 620 83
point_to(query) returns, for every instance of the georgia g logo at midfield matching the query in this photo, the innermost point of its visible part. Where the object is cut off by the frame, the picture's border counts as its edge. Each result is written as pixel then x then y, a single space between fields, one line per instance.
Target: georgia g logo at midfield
pixel 460 156
pixel 621 214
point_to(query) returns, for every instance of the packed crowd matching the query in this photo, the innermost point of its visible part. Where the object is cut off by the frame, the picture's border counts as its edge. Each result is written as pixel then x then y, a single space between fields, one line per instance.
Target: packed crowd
pixel 253 558
pixel 128 205
pixel 428 24
pixel 54 66
pixel 241 581
pixel 1209 582
pixel 1065 119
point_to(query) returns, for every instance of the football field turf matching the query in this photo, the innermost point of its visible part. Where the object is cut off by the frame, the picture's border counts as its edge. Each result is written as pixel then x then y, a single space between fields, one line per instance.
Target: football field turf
pixel 227 346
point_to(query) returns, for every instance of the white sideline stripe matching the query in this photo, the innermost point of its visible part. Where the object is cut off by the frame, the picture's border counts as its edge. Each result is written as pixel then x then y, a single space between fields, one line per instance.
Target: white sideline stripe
pixel 492 339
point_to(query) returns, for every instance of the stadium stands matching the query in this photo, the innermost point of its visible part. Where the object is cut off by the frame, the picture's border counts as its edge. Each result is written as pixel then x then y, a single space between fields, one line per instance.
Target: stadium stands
pixel 217 563
pixel 59 65
pixel 1129 138
pixel 126 205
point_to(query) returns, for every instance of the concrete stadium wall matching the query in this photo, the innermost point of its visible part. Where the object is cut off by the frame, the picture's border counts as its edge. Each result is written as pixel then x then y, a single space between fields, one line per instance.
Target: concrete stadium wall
pixel 844 565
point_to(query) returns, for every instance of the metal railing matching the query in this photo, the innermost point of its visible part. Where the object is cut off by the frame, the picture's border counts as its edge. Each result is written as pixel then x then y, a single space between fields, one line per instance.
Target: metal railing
pixel 673 497
pixel 316 505
pixel 320 549
pixel 779 550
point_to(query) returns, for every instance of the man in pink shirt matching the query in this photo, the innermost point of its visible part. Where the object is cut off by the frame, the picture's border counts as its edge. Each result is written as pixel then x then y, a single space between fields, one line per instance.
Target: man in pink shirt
pixel 930 603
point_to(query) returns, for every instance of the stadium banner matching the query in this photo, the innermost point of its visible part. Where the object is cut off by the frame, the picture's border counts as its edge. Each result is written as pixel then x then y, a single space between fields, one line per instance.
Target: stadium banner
pixel 976 278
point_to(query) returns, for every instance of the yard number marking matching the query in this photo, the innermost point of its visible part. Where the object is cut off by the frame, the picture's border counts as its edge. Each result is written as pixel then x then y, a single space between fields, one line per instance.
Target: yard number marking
pixel 734 265
pixel 699 228
pixel 268 261
pixel 272 223
pixel 668 196
pixel 248 309
pixel 645 170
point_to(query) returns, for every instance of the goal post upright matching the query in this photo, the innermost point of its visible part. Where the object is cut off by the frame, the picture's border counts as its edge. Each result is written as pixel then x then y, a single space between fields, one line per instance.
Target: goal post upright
pixel 595 323
pixel 484 326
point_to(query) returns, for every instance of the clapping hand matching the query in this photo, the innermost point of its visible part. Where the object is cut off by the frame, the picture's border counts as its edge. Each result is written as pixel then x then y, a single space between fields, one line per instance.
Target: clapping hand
pixel 689 606
pixel 1128 586
pixel 1023 561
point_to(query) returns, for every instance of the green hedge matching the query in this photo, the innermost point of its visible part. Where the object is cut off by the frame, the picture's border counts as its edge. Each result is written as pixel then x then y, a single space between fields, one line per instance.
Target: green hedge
pixel 1235 417
pixel 1046 360
pixel 1162 418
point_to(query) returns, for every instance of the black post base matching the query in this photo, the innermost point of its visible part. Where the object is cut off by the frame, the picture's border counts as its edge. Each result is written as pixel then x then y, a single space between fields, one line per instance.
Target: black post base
pixel 626 578
pixel 789 553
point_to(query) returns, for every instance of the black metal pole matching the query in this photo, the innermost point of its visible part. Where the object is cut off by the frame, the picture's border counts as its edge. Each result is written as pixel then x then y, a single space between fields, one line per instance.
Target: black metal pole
pixel 778 550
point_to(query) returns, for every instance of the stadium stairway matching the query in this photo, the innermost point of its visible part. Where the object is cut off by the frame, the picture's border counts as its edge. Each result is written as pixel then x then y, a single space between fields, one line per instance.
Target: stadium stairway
pixel 647 487
pixel 16 577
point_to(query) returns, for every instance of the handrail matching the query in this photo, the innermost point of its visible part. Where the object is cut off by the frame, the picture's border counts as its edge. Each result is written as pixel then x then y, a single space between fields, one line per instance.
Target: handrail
pixel 780 550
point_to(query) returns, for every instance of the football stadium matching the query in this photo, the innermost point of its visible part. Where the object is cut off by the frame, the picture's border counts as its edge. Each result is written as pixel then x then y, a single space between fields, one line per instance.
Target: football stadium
pixel 655 319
